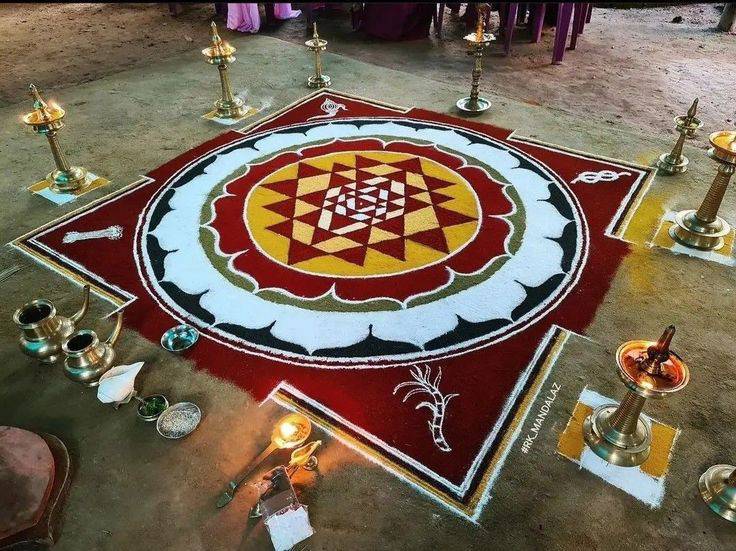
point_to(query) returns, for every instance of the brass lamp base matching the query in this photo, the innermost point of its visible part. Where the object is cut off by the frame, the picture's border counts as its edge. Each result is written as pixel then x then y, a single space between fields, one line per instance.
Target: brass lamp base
pixel 615 447
pixel 321 81
pixel 691 231
pixel 717 493
pixel 672 165
pixel 233 109
pixel 468 105
pixel 67 181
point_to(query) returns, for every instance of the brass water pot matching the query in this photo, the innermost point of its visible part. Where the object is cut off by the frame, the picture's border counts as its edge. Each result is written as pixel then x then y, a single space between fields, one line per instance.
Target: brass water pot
pixel 43 330
pixel 87 359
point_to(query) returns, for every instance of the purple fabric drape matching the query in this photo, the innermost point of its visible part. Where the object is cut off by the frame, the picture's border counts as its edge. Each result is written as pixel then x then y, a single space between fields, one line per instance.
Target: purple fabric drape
pixel 397 21
pixel 244 17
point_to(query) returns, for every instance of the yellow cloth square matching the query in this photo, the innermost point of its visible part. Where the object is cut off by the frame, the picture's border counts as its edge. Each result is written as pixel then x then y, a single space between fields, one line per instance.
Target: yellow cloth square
pixel 42 188
pixel 212 116
pixel 571 443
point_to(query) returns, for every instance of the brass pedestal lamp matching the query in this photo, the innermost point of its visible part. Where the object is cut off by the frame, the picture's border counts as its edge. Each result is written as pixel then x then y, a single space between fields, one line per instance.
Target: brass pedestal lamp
pixel 649 369
pixel 317 45
pixel 477 42
pixel 222 54
pixel 718 487
pixel 703 229
pixel 46 119
pixel 675 162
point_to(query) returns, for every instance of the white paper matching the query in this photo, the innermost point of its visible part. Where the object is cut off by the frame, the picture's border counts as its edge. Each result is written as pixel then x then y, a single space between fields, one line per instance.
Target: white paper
pixel 289 527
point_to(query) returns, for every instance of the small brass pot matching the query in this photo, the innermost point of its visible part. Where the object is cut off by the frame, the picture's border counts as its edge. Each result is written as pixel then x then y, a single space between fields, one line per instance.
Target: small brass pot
pixel 87 359
pixel 43 330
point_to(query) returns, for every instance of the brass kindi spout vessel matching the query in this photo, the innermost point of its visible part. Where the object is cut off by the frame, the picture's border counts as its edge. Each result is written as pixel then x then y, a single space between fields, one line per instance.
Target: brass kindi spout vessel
pixel 87 359
pixel 43 330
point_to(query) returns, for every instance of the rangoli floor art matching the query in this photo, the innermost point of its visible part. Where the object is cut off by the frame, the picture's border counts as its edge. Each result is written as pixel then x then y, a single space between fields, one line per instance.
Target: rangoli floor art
pixel 405 277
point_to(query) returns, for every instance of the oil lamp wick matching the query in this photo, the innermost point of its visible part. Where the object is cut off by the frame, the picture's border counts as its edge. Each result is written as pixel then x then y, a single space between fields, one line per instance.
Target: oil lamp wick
pixel 658 353
pixel 34 92
pixel 693 108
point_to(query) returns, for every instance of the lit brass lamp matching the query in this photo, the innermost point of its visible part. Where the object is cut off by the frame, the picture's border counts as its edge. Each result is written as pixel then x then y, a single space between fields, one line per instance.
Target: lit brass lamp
pixel 718 488
pixel 675 162
pixel 703 228
pixel 47 120
pixel 649 369
pixel 290 431
pixel 317 45
pixel 221 54
pixel 477 41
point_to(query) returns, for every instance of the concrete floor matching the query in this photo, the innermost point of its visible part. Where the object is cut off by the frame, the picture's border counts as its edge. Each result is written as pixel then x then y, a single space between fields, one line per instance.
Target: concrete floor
pixel 631 65
pixel 130 488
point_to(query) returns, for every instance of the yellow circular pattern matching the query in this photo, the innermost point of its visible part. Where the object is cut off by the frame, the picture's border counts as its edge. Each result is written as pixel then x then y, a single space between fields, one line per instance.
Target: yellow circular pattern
pixel 362 214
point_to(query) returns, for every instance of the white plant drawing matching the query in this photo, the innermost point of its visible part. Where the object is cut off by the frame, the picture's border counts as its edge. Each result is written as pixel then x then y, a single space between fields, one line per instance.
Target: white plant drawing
pixel 330 108
pixel 421 383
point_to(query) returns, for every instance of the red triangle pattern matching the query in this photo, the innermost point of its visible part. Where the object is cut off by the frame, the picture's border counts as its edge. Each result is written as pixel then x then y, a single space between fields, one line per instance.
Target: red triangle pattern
pixel 392 247
pixel 305 171
pixel 434 239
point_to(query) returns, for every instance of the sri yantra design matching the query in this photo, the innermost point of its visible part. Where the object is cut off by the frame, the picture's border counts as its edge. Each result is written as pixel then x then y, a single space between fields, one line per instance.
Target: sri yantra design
pixel 323 259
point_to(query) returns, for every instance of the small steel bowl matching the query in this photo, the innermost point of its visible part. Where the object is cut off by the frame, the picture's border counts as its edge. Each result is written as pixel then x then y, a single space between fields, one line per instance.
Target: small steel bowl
pixel 179 338
pixel 178 420
pixel 156 402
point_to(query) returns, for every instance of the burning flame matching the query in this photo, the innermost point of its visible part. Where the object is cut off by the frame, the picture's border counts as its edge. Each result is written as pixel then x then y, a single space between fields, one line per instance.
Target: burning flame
pixel 288 430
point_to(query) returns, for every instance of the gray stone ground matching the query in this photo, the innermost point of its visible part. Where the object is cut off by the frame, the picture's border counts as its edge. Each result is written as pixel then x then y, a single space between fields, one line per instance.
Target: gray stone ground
pixel 132 489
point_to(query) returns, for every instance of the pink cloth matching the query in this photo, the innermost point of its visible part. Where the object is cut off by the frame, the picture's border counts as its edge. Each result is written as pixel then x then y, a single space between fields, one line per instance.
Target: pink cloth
pixel 244 17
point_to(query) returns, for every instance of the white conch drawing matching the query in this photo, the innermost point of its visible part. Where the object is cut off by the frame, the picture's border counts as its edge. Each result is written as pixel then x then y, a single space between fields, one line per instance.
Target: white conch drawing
pixel 330 108
pixel 113 232
pixel 421 383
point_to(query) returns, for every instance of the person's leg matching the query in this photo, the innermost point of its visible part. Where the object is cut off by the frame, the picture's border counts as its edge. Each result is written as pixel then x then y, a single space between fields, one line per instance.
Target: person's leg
pixel 470 16
pixel 221 9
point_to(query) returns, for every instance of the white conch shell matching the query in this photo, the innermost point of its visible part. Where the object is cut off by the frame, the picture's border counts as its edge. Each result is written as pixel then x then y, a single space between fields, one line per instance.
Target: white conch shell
pixel 118 383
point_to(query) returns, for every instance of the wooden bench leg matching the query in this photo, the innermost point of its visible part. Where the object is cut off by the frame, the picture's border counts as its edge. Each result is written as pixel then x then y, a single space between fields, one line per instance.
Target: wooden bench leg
pixel 564 14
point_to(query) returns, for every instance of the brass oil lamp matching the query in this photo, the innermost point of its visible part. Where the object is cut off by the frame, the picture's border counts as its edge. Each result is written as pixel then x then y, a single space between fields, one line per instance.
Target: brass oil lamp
pixel 46 119
pixel 617 433
pixel 718 488
pixel 703 229
pixel 675 162
pixel 317 45
pixel 222 54
pixel 477 42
